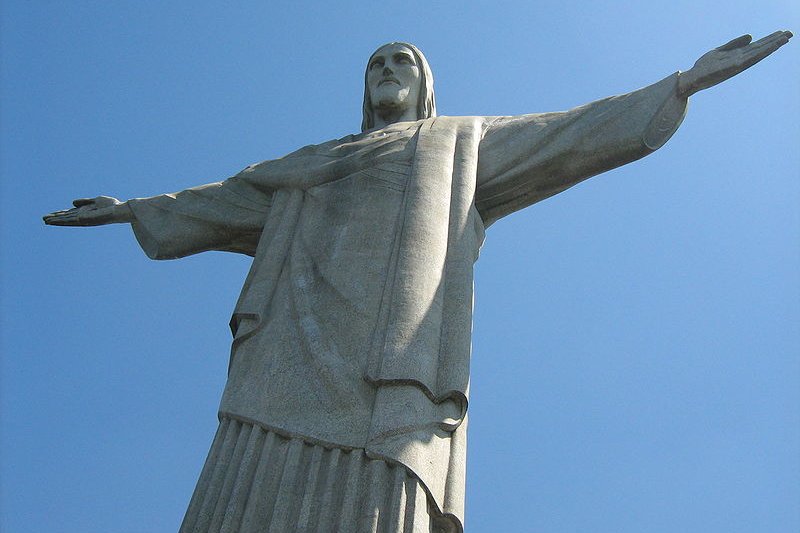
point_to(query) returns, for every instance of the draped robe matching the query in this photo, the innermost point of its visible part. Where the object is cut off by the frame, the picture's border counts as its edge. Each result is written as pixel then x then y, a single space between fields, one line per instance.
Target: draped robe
pixel 353 327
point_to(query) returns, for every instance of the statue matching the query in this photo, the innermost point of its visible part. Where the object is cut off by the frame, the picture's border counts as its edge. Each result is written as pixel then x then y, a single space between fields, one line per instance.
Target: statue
pixel 345 407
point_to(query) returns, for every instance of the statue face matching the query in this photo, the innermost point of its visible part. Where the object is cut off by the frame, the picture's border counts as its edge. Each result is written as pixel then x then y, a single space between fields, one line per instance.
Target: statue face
pixel 393 78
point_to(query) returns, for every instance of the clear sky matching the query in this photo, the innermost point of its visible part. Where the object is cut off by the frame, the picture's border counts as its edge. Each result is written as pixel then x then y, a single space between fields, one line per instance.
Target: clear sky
pixel 636 349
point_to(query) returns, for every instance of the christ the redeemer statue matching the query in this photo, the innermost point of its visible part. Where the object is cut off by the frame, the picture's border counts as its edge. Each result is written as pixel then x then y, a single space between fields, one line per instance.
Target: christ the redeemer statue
pixel 345 407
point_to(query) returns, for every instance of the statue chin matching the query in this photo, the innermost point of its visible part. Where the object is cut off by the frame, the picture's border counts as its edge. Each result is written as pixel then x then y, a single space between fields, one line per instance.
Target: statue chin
pixel 390 96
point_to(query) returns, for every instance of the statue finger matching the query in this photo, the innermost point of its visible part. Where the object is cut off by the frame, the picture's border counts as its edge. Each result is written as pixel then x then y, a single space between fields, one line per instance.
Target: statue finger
pixel 63 215
pixel 64 219
pixel 744 40
pixel 58 213
pixel 765 46
pixel 80 202
pixel 781 35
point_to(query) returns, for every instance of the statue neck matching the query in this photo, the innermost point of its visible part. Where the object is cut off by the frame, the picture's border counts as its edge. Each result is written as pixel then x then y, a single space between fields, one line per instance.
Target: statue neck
pixel 387 115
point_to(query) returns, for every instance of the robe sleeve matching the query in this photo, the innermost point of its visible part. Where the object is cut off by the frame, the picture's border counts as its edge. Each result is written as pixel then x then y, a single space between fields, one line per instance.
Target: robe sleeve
pixel 226 216
pixel 525 159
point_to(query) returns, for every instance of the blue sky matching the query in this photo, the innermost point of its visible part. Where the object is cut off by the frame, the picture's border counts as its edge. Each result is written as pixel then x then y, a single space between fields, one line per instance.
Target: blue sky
pixel 636 349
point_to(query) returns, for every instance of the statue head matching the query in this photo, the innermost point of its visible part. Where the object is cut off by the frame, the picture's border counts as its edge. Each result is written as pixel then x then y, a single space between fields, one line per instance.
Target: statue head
pixel 398 72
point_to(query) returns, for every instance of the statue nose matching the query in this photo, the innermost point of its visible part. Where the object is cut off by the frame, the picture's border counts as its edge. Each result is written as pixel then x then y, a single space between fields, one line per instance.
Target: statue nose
pixel 387 71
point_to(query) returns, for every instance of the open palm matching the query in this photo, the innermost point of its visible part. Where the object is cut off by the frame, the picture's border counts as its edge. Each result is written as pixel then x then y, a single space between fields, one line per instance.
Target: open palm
pixel 729 60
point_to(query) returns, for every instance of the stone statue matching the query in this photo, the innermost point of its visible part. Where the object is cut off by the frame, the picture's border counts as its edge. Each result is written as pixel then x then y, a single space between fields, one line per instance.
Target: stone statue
pixel 345 407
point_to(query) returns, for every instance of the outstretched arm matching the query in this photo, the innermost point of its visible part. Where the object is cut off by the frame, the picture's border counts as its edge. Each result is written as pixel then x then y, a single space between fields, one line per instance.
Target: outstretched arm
pixel 528 158
pixel 226 216
pixel 729 60
pixel 91 212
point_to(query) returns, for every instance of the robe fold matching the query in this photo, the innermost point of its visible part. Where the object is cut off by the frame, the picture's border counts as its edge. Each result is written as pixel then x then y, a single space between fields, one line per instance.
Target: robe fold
pixel 353 327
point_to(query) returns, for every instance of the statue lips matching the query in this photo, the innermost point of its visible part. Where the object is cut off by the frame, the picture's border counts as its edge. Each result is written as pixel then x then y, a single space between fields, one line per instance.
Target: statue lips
pixel 388 80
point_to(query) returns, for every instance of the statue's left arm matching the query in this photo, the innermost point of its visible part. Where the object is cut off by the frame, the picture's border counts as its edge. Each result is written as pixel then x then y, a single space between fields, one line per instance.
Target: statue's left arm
pixel 729 60
pixel 528 158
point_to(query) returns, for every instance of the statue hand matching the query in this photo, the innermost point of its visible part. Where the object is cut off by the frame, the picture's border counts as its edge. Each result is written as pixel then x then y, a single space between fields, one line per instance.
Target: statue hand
pixel 91 212
pixel 729 60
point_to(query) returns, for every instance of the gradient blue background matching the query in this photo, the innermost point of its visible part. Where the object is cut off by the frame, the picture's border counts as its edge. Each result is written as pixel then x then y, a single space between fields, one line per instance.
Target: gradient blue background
pixel 636 362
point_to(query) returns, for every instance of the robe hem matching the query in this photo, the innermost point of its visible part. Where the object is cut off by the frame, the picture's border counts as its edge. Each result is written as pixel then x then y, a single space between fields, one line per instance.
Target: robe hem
pixel 455 520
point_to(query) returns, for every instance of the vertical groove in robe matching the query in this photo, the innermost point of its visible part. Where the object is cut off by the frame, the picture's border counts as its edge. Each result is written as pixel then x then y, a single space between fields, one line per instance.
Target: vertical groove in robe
pixel 315 465
pixel 255 480
pixel 230 478
pixel 250 520
pixel 286 489
pixel 373 515
pixel 408 518
pixel 244 481
pixel 423 520
pixel 396 507
pixel 326 513
pixel 352 488
pixel 217 478
pixel 205 477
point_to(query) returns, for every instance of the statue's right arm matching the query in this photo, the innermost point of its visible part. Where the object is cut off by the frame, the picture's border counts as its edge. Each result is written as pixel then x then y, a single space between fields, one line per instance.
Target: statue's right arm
pixel 91 212
pixel 225 216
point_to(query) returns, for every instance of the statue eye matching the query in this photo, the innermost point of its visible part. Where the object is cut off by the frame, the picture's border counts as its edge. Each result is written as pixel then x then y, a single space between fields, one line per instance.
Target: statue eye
pixel 378 62
pixel 404 59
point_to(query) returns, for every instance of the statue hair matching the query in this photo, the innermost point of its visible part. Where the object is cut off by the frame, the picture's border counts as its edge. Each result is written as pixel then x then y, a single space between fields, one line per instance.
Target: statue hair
pixel 426 106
